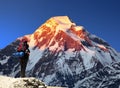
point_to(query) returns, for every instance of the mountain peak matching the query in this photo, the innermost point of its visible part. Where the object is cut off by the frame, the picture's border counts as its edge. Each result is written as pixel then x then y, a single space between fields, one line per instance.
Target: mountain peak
pixel 62 19
pixel 56 31
pixel 61 22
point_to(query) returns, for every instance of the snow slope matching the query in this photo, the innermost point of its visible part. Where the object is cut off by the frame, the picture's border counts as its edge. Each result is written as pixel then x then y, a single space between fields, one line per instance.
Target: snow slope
pixel 8 82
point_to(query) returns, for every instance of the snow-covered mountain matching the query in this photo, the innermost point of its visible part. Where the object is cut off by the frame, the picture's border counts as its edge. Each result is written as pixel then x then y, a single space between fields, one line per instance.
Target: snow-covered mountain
pixel 64 54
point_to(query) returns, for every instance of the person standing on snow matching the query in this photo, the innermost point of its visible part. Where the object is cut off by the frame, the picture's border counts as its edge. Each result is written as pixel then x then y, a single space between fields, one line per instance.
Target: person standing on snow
pixel 24 48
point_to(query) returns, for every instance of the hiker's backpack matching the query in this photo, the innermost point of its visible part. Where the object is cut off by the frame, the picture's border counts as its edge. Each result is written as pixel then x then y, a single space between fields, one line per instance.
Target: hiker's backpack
pixel 21 47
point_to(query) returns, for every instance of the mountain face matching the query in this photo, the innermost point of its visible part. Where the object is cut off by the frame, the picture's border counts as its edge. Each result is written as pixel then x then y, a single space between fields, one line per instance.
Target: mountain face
pixel 64 54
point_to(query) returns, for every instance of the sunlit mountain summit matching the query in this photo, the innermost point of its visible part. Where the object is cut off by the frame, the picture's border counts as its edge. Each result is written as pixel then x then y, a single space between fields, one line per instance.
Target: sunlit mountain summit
pixel 65 54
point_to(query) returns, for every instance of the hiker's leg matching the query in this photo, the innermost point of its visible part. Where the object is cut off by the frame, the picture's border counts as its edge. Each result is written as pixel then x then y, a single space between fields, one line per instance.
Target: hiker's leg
pixel 22 63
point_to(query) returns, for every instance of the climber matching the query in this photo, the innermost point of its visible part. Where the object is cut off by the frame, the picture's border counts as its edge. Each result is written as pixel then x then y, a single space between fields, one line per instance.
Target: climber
pixel 23 48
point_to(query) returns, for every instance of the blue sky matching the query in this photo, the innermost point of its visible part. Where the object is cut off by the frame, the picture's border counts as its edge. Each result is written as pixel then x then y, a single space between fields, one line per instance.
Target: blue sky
pixel 21 17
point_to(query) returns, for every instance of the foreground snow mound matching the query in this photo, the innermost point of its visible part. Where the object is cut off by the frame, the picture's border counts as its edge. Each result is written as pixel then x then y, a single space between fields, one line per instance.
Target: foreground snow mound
pixel 7 82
